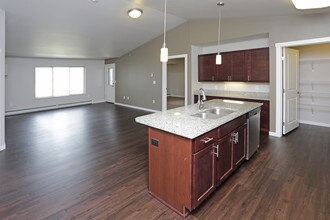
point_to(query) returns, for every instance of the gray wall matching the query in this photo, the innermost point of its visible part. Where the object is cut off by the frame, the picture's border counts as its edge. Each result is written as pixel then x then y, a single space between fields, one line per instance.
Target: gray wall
pixel 134 68
pixel 175 77
pixel 20 89
pixel 2 80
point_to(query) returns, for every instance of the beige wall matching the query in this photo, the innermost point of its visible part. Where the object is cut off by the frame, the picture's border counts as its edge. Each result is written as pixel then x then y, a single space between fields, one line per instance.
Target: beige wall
pixel 133 69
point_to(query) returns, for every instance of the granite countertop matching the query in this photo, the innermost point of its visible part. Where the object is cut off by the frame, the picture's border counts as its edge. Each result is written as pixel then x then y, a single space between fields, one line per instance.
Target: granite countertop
pixel 237 94
pixel 180 121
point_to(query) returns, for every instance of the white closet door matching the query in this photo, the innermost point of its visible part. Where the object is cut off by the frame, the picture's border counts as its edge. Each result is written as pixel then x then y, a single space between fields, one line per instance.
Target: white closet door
pixel 290 89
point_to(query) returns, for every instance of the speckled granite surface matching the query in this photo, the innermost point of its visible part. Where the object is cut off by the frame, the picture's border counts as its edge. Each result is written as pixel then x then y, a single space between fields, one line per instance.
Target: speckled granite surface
pixel 180 121
pixel 235 94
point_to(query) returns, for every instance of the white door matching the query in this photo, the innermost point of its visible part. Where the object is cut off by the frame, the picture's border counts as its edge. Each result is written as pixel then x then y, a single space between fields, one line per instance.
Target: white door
pixel 290 89
pixel 110 83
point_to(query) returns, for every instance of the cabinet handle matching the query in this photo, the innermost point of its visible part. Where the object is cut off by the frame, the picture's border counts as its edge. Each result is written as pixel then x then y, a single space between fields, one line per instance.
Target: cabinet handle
pixel 212 78
pixel 228 78
pixel 234 137
pixel 206 140
pixel 248 77
pixel 216 152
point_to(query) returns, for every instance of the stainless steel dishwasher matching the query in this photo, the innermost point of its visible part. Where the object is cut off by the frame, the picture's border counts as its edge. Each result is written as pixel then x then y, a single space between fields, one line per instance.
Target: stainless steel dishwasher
pixel 253 132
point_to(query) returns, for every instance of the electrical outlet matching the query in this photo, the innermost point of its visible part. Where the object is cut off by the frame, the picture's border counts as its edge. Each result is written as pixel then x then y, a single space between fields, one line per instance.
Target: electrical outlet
pixel 127 97
pixel 153 101
pixel 154 82
pixel 124 97
pixel 151 75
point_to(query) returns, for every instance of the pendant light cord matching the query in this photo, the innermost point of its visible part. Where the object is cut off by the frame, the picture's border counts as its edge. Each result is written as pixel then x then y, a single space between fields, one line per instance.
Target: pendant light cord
pixel 219 5
pixel 165 12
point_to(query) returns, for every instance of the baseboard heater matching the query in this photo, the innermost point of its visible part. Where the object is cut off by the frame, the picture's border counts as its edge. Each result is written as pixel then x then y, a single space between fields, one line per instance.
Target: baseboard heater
pixel 48 107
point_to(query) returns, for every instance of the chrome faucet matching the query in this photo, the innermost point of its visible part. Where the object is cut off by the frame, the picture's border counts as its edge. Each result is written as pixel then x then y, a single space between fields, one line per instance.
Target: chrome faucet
pixel 200 103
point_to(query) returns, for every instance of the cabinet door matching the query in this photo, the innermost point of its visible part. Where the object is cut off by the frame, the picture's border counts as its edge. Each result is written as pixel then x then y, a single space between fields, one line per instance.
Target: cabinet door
pixel 224 163
pixel 239 145
pixel 257 64
pixel 238 72
pixel 203 175
pixel 223 71
pixel 206 67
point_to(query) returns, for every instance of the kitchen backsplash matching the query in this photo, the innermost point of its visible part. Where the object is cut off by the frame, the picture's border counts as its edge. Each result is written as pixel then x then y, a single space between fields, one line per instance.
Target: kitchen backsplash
pixel 237 86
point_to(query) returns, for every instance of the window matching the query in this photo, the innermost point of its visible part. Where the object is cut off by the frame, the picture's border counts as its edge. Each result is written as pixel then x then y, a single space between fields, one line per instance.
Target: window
pixel 59 81
pixel 110 77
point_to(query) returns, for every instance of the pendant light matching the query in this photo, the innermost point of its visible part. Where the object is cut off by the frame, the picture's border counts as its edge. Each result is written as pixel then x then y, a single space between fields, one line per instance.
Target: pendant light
pixel 164 49
pixel 218 58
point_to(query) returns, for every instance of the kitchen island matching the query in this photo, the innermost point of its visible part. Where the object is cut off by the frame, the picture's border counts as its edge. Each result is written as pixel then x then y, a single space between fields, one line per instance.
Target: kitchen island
pixel 191 152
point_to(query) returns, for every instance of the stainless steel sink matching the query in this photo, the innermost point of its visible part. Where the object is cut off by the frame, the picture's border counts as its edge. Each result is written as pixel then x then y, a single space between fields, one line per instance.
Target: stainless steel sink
pixel 220 111
pixel 214 113
pixel 205 115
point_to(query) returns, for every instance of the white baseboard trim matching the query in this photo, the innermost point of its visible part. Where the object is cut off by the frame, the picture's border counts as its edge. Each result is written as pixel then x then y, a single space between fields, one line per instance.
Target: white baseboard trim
pixel 97 102
pixel 3 147
pixel 136 107
pixel 274 134
pixel 315 123
pixel 52 107
pixel 176 96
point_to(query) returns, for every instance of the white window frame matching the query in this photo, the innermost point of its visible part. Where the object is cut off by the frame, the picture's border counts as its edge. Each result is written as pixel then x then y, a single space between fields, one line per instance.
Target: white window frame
pixel 52 96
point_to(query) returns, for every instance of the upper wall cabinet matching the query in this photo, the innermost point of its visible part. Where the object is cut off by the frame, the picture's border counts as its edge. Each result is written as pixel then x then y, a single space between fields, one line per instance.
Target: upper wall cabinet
pixel 232 67
pixel 240 66
pixel 206 67
pixel 257 65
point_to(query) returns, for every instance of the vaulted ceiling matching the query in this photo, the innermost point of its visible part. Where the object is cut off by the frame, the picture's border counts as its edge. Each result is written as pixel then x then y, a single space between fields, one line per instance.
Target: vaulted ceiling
pixel 84 29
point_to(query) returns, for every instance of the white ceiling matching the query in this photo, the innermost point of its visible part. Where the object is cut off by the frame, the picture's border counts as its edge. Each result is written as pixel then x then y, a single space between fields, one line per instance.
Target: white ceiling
pixel 83 29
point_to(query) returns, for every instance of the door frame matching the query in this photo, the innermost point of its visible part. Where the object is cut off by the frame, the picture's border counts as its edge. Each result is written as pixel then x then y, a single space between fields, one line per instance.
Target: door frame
pixel 104 74
pixel 164 80
pixel 279 77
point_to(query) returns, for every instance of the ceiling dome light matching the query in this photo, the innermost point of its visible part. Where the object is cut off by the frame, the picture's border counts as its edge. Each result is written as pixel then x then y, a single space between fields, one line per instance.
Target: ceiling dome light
pixel 134 12
pixel 304 4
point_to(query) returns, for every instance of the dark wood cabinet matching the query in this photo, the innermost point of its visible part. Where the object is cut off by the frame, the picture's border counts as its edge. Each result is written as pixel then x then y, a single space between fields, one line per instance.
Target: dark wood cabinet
pixel 238 72
pixel 184 172
pixel 223 71
pixel 206 67
pixel 257 65
pixel 240 66
pixel 231 148
pixel 203 175
pixel 232 67
pixel 224 164
pixel 239 145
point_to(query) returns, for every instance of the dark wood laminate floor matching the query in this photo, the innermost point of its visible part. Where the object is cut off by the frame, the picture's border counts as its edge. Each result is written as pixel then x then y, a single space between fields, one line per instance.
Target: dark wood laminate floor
pixel 91 162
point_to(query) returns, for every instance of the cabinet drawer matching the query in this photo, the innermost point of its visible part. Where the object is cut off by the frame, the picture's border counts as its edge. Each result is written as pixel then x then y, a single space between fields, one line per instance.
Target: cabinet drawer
pixel 205 140
pixel 232 125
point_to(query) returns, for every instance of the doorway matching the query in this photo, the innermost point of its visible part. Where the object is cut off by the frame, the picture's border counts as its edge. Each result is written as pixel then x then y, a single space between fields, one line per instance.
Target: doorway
pixel 110 83
pixel 279 77
pixel 175 83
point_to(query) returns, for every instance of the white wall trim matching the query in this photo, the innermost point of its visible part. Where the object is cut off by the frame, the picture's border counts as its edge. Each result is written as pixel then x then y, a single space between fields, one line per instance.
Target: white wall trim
pixel 164 80
pixel 136 107
pixel 97 102
pixel 3 147
pixel 274 134
pixel 315 123
pixel 176 96
pixel 59 106
pixel 279 76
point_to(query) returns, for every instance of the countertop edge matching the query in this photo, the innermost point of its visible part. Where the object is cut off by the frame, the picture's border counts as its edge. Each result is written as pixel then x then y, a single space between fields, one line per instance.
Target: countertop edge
pixel 202 125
